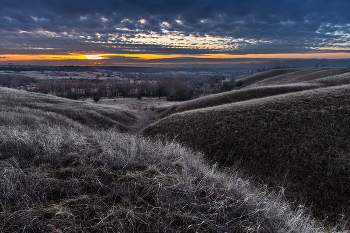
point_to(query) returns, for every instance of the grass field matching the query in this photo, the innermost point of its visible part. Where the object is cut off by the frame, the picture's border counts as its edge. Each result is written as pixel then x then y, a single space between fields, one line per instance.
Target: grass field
pixel 233 96
pixel 272 156
pixel 302 75
pixel 274 83
pixel 61 173
pixel 92 115
pixel 299 141
pixel 265 75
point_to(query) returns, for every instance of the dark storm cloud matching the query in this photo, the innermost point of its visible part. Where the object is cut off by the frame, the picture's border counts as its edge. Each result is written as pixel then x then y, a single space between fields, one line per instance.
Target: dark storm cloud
pixel 91 25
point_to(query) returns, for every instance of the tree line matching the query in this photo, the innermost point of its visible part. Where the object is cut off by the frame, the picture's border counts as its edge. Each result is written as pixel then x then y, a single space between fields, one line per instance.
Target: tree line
pixel 173 88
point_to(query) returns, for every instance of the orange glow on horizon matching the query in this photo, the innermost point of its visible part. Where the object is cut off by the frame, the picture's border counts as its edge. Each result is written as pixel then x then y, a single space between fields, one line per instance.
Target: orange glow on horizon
pixel 74 56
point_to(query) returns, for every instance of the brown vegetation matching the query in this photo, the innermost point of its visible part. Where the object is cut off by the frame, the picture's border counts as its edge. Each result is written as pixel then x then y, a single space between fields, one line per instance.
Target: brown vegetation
pixel 299 141
pixel 282 83
pixel 233 96
pixel 14 80
pixel 300 76
pixel 91 115
pixel 62 174
pixel 265 75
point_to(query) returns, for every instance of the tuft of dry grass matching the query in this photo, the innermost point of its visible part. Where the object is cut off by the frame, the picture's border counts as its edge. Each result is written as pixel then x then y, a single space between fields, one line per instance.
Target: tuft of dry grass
pixel 299 141
pixel 114 182
pixel 59 175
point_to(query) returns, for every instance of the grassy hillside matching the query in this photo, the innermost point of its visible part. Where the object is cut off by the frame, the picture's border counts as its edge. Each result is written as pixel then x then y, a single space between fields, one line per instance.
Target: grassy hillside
pixel 91 115
pixel 298 140
pixel 234 96
pixel 60 174
pixel 305 80
pixel 301 76
pixel 265 75
pixel 334 80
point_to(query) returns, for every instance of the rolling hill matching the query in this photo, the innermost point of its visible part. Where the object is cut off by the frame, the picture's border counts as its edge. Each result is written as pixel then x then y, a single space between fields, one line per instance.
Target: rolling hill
pixel 92 115
pixel 279 84
pixel 65 166
pixel 297 76
pixel 299 141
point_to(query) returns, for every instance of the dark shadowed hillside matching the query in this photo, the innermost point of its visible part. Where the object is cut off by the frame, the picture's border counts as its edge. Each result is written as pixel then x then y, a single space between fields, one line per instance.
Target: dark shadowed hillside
pixel 298 140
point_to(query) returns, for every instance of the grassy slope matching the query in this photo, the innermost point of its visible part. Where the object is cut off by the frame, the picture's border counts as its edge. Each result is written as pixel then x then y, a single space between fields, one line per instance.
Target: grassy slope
pixel 233 96
pixel 91 115
pixel 297 140
pixel 59 175
pixel 334 80
pixel 300 76
pixel 308 79
pixel 265 75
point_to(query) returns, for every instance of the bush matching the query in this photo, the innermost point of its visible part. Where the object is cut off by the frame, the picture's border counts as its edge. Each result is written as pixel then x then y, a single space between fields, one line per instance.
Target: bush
pixel 96 96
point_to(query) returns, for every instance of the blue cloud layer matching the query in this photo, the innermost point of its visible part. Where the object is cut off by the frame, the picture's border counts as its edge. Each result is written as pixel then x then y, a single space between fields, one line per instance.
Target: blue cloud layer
pixel 251 26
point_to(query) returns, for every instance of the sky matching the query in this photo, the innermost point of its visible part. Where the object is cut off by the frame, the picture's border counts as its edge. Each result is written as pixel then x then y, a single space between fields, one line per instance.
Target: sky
pixel 168 33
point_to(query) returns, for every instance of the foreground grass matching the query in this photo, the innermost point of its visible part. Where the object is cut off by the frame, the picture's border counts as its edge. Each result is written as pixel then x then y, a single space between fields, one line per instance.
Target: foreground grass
pixel 58 175
pixel 299 141
pixel 108 182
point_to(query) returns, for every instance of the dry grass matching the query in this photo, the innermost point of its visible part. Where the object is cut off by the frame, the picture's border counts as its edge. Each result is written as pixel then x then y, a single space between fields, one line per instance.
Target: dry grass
pixel 91 115
pixel 234 96
pixel 300 76
pixel 334 80
pixel 265 75
pixel 298 140
pixel 298 80
pixel 59 175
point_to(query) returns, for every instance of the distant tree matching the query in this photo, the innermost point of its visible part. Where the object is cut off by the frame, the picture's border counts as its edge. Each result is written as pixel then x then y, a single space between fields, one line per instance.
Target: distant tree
pixel 226 86
pixel 180 90
pixel 96 96
pixel 125 88
pixel 239 83
pixel 143 88
pixel 174 89
pixel 163 85
pixel 44 87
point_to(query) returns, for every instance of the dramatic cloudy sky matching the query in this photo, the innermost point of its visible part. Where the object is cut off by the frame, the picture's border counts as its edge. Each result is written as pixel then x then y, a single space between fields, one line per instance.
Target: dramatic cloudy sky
pixel 171 32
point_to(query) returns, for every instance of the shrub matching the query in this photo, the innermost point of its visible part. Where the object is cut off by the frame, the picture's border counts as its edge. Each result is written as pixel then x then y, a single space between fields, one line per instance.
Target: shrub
pixel 96 96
